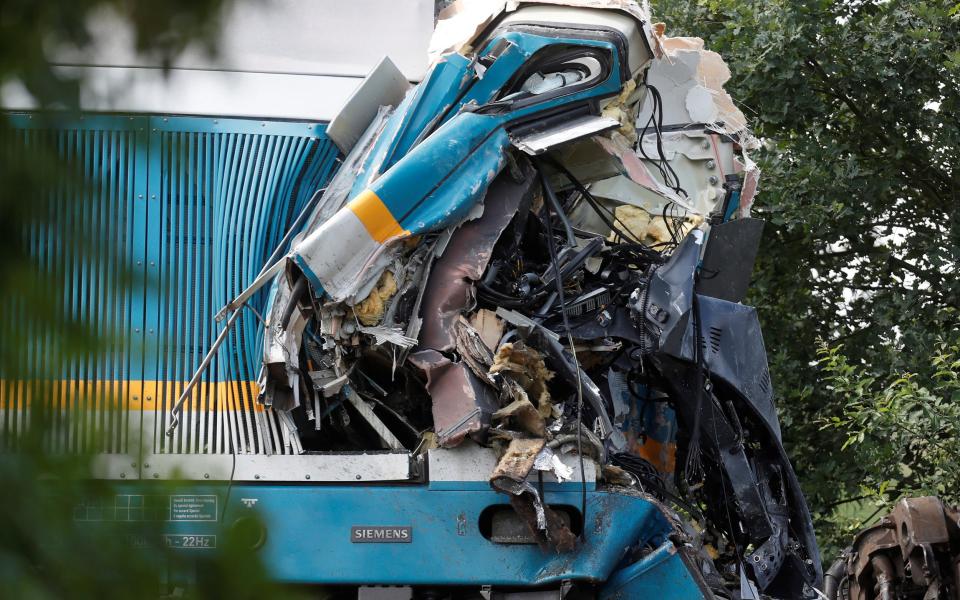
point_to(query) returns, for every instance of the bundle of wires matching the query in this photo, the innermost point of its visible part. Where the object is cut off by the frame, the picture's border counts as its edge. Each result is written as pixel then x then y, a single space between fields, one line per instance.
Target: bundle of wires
pixel 670 178
pixel 606 215
pixel 553 205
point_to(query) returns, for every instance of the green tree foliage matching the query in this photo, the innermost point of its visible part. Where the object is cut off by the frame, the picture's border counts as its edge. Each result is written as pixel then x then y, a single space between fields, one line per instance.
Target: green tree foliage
pixel 858 105
pixel 904 431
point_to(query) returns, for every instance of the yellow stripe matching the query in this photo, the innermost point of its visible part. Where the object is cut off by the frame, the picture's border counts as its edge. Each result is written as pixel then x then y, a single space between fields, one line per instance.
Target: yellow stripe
pixel 129 395
pixel 376 217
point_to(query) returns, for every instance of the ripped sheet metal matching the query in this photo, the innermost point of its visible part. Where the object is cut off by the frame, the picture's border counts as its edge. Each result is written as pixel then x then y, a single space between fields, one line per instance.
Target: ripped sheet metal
pixel 441 173
pixel 462 403
pixel 416 117
pixel 522 457
pixel 398 300
pixel 690 80
pixel 450 289
pixel 685 113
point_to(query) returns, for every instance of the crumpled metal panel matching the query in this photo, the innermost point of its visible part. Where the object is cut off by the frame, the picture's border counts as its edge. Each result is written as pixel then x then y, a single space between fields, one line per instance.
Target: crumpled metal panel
pixel 607 302
pixel 731 350
pixel 735 353
pixel 450 289
pixel 432 187
pixel 732 343
pixel 462 404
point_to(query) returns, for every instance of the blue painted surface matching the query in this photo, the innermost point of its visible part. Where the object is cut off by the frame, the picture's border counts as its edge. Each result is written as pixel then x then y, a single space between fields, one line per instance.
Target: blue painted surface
pixel 733 206
pixel 104 149
pixel 660 574
pixel 440 180
pixel 308 536
pixel 523 46
pixel 615 522
pixel 431 100
pixel 189 208
pixel 431 184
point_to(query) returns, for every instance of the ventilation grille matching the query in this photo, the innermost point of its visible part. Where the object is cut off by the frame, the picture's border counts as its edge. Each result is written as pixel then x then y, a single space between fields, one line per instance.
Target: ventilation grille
pixel 716 334
pixel 181 214
pixel 765 383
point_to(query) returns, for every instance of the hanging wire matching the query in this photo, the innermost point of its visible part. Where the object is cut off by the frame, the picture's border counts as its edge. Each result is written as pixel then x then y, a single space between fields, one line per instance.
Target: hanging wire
pixel 670 178
pixel 551 205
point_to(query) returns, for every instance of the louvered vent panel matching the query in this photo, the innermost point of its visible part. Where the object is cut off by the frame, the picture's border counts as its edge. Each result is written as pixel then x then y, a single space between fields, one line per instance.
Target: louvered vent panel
pixel 84 403
pixel 182 213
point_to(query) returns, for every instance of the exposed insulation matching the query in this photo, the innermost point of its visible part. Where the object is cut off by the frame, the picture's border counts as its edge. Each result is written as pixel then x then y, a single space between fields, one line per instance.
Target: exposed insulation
pixel 659 233
pixel 633 220
pixel 370 311
pixel 525 366
pixel 516 463
pixel 620 109
pixel 652 229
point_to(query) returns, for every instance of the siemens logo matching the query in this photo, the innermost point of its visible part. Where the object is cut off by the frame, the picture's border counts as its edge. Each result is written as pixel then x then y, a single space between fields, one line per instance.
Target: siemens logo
pixel 378 534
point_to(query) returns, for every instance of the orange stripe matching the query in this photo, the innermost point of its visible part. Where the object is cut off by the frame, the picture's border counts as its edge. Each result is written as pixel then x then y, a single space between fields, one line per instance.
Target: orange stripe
pixel 128 395
pixel 663 456
pixel 376 217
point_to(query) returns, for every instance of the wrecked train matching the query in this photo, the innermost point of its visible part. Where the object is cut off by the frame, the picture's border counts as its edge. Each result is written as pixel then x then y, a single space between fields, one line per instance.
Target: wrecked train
pixel 540 254
pixel 509 334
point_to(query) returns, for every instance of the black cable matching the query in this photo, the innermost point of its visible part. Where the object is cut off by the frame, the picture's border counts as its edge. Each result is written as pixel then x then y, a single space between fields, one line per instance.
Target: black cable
pixel 571 266
pixel 488 293
pixel 555 207
pixel 299 289
pixel 574 264
pixel 658 127
pixel 693 467
pixel 674 239
pixel 643 132
pixel 566 324
pixel 593 201
pixel 669 175
pixel 673 225
pixel 599 210
pixel 630 463
pixel 233 470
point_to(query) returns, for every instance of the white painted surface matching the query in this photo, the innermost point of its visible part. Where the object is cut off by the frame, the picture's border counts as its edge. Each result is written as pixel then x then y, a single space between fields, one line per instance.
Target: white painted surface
pixel 294 59
pixel 384 86
pixel 215 93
